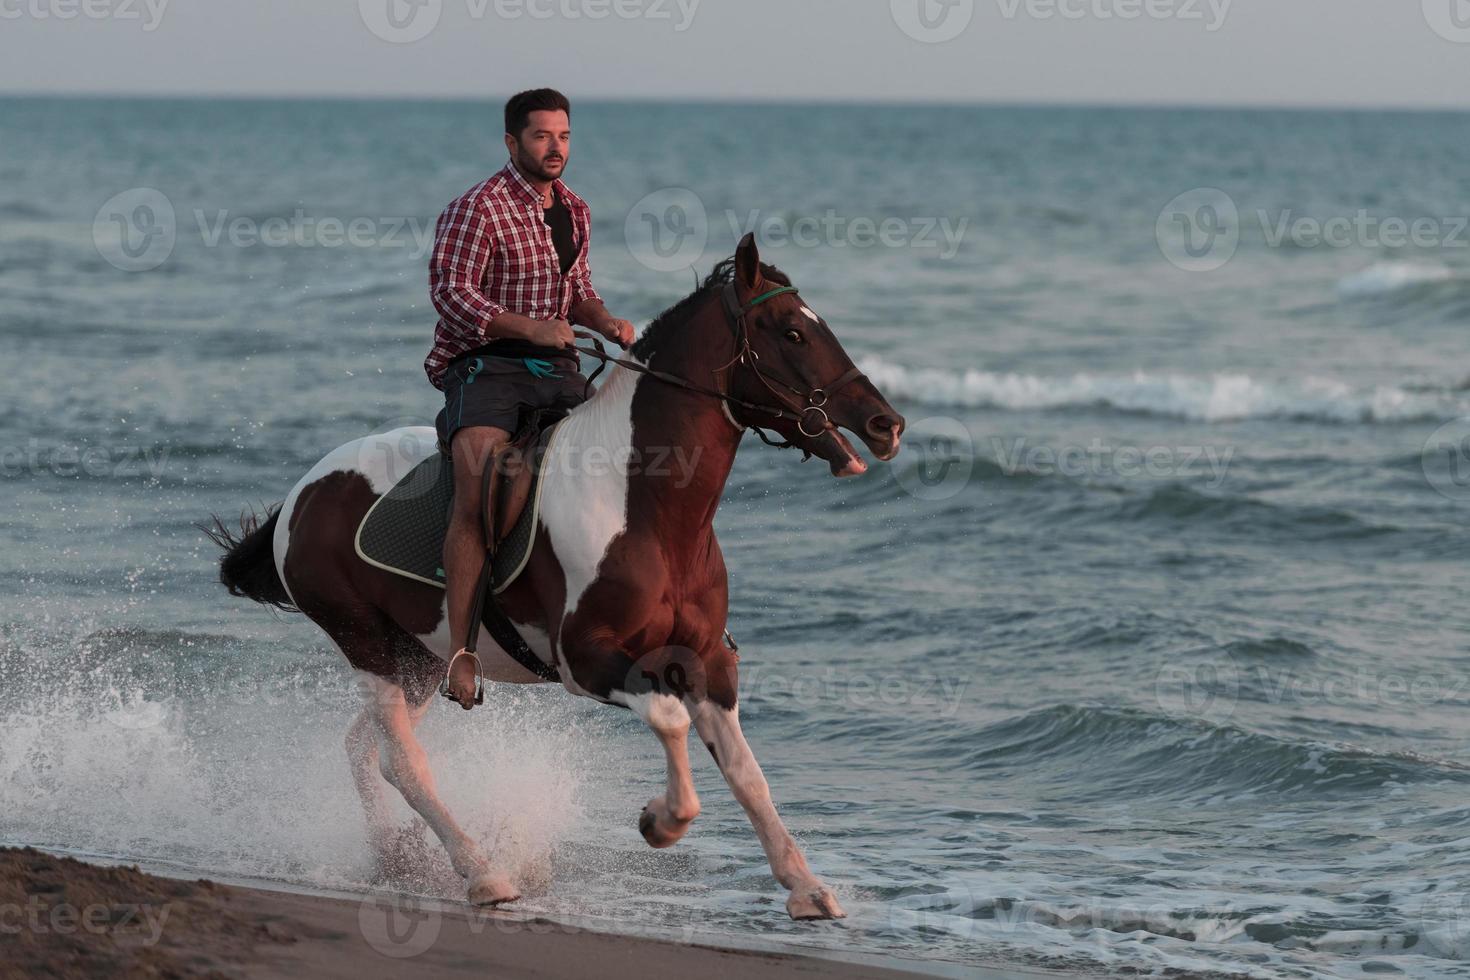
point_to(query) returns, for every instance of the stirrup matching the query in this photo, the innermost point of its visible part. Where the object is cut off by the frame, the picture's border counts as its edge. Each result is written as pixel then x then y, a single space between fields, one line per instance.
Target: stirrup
pixel 479 678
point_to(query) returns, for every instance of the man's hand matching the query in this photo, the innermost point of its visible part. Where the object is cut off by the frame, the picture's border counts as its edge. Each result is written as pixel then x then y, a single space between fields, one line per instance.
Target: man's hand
pixel 553 333
pixel 618 331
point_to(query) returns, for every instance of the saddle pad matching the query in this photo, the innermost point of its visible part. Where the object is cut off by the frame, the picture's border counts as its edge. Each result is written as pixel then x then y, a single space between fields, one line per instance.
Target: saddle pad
pixel 404 531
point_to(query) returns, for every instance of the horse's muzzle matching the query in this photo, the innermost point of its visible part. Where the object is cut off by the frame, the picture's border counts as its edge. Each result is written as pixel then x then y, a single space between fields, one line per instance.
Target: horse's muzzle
pixel 882 433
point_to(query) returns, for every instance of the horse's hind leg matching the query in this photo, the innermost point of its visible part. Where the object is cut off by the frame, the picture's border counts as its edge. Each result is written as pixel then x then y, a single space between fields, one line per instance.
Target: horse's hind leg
pixel 720 730
pixel 402 761
pixel 398 851
pixel 362 755
pixel 665 819
pixel 400 675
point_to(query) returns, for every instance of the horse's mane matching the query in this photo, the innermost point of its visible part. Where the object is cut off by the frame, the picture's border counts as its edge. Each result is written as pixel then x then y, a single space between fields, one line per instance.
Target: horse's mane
pixel 677 315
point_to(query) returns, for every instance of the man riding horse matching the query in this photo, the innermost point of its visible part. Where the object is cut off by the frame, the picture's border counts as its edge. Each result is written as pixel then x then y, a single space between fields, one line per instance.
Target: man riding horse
pixel 624 594
pixel 508 277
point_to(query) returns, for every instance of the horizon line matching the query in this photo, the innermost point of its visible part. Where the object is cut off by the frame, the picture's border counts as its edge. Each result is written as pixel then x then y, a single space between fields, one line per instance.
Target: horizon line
pixel 835 101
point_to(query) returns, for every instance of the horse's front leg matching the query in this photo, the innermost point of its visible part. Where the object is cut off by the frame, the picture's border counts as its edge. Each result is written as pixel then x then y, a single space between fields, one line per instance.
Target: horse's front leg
pixel 666 818
pixel 720 729
pixel 599 669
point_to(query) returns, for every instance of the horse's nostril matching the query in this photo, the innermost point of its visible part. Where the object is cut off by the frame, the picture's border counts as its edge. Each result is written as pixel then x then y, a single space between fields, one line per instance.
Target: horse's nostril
pixel 882 425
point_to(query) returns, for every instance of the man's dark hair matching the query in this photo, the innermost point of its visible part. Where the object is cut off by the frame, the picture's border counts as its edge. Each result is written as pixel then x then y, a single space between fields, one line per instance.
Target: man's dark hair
pixel 518 110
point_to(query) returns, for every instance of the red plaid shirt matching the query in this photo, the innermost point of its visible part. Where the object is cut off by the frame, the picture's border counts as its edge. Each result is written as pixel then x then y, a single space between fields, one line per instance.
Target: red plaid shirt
pixel 492 253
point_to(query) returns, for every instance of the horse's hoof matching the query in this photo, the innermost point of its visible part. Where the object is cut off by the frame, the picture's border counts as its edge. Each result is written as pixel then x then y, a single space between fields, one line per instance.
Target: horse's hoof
pixel 488 888
pixel 814 903
pixel 659 828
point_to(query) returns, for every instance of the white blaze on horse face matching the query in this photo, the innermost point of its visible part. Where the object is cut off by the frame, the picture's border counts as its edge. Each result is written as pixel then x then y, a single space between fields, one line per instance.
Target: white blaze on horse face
pixel 584 497
pixel 811 316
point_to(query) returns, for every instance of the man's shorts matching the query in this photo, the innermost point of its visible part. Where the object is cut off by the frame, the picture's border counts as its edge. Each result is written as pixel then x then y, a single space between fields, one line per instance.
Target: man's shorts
pixel 504 391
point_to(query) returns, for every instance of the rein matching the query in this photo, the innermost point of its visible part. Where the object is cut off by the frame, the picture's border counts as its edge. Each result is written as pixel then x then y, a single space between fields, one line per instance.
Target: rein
pixel 736 315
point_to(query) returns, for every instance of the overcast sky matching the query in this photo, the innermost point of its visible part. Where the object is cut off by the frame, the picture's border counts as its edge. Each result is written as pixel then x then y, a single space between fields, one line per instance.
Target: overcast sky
pixel 1253 52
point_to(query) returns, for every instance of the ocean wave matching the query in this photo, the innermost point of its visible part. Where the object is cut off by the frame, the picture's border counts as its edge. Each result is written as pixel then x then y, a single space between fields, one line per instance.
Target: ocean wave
pixel 1212 398
pixel 1131 753
pixel 1261 919
pixel 1179 503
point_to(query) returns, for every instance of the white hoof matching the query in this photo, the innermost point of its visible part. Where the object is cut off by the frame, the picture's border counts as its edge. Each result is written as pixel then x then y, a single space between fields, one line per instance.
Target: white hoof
pixel 814 903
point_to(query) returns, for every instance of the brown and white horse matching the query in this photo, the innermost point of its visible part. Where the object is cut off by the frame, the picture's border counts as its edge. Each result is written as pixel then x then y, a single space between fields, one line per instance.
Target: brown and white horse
pixel 625 591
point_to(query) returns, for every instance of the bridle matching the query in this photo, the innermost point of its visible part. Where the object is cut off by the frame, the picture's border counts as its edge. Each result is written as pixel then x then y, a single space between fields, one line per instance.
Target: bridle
pixel 812 401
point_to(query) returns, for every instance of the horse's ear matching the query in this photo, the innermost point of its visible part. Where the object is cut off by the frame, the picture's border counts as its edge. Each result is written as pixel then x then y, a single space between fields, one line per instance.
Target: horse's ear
pixel 748 262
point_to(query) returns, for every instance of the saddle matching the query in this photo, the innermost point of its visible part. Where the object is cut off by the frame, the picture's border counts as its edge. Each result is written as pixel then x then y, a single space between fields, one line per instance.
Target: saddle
pixel 404 531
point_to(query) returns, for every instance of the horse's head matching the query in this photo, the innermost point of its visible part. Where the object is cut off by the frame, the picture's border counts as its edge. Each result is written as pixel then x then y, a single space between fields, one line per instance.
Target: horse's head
pixel 795 363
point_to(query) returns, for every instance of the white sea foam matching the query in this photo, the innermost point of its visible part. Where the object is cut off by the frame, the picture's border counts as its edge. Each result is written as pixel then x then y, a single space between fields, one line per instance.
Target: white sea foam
pixel 251 779
pixel 1384 278
pixel 1207 398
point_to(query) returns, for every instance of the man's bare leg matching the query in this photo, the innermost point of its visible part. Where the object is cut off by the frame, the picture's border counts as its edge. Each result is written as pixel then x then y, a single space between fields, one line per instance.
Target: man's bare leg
pixel 464 545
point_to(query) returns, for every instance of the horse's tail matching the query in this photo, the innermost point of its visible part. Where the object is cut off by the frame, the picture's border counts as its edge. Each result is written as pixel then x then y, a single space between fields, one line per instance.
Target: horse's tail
pixel 248 568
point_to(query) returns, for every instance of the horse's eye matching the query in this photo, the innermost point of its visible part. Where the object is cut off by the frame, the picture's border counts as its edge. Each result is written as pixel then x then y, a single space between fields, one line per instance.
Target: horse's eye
pixel 794 336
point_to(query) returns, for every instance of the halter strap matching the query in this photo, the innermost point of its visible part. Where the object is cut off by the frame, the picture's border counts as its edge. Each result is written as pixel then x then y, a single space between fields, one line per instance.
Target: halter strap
pixel 765 296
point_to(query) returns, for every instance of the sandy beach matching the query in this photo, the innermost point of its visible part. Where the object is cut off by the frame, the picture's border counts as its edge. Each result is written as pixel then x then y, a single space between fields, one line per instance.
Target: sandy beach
pixel 67 919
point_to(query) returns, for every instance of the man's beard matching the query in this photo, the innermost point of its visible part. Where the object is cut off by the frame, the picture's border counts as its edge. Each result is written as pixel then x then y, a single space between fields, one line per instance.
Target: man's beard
pixel 531 168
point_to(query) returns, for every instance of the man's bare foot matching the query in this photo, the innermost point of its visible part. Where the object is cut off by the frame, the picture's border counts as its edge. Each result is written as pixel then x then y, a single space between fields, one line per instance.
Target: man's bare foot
pixel 462 682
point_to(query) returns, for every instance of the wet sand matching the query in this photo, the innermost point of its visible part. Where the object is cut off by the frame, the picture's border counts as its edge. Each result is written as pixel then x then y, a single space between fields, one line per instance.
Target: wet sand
pixel 67 919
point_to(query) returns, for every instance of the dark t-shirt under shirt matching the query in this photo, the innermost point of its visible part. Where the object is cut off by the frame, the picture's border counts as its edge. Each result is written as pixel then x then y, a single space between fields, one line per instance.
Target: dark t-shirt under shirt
pixel 559 220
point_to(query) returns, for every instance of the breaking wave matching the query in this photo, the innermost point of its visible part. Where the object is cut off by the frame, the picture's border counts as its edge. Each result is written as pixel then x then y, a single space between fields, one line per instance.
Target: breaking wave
pixel 1202 398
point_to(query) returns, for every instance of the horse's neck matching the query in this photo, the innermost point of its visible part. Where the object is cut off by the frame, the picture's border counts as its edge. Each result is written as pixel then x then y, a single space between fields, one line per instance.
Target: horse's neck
pixel 698 425
pixel 681 444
